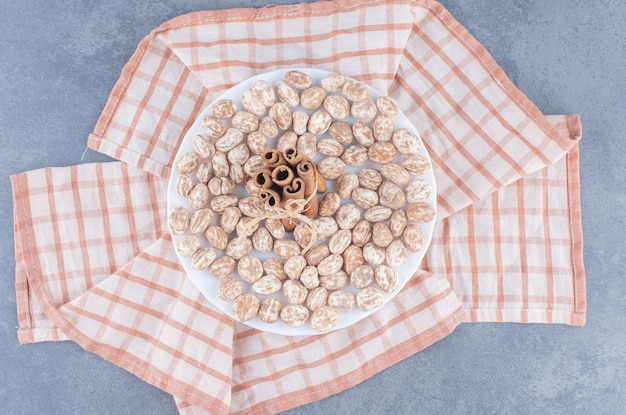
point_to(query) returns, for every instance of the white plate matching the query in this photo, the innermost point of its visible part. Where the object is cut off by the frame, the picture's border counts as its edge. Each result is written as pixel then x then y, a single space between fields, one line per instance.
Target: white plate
pixel 208 285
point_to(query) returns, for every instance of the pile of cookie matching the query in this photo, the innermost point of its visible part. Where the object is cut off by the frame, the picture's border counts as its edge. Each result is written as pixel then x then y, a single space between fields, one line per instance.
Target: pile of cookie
pixel 332 199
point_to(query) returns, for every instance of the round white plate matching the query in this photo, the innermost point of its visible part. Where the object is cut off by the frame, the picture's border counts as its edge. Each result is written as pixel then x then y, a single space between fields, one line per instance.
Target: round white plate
pixel 208 284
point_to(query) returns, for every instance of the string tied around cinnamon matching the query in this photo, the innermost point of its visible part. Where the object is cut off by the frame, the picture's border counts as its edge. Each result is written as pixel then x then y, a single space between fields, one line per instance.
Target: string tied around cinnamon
pixel 292 209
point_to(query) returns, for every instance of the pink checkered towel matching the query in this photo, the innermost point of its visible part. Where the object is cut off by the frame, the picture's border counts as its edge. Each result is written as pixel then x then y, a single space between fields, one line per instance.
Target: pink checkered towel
pixel 95 263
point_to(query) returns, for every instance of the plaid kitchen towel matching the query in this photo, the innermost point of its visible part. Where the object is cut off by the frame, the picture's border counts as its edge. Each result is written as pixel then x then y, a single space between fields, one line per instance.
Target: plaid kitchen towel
pixel 95 263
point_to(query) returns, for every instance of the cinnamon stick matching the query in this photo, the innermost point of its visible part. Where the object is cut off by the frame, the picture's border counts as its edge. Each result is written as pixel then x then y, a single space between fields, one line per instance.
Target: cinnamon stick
pixel 294 190
pixel 273 157
pixel 321 182
pixel 293 156
pixel 306 170
pixel 282 175
pixel 263 178
pixel 270 197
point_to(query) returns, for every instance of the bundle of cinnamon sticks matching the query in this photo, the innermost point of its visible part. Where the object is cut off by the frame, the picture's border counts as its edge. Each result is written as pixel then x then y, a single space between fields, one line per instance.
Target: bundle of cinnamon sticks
pixel 289 175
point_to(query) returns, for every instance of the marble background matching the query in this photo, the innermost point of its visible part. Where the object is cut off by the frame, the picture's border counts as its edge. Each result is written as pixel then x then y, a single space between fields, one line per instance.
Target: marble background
pixel 58 63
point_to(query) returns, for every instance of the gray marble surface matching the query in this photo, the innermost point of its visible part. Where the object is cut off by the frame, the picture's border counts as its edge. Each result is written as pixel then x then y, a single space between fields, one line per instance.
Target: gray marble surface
pixel 58 63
